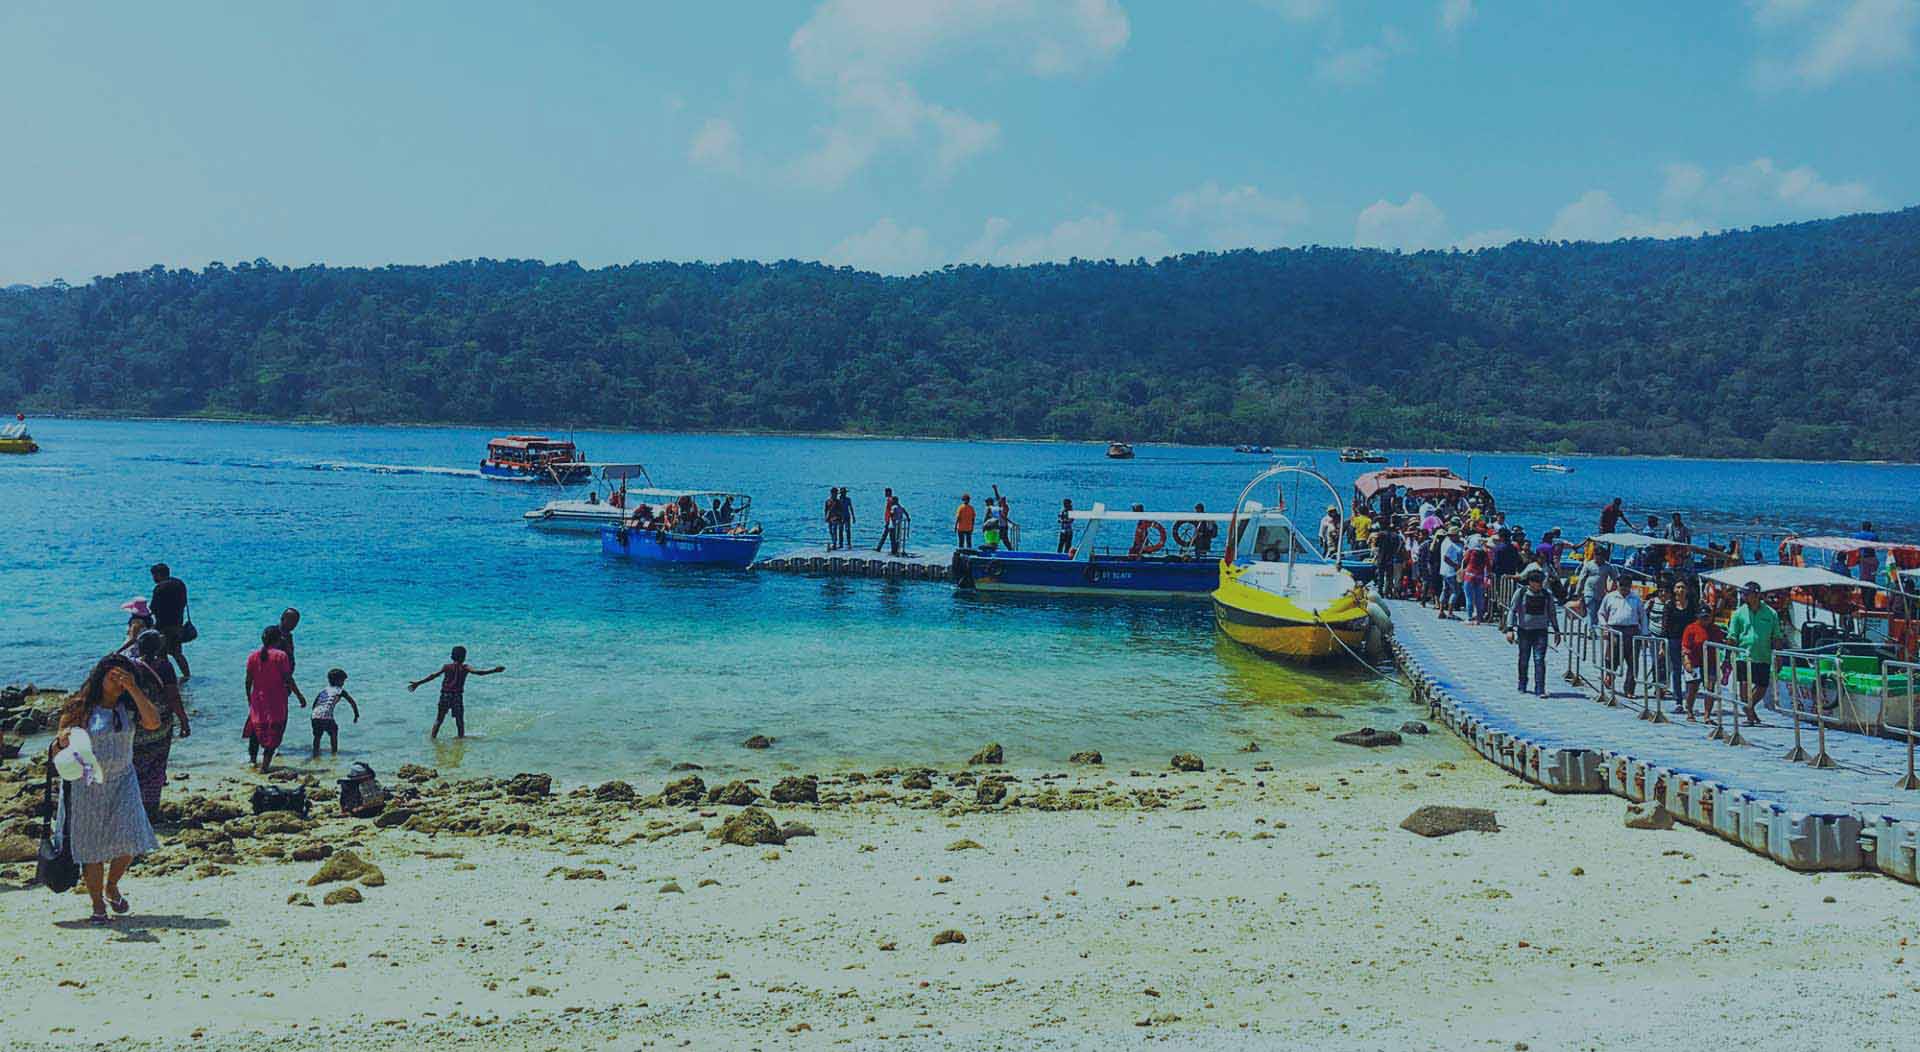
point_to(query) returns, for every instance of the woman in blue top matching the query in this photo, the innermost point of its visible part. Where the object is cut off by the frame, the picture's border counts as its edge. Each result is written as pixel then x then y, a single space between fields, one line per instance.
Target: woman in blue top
pixel 104 823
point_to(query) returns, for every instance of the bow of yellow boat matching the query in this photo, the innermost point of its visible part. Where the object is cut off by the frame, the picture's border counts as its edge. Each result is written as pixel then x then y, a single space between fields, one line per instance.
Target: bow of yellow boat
pixel 1322 615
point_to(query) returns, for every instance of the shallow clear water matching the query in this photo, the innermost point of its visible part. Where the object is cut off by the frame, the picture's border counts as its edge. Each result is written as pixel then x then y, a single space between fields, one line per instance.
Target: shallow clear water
pixel 395 550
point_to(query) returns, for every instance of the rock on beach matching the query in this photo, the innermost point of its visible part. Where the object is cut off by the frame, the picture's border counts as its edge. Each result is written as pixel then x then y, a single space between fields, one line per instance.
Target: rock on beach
pixel 1368 738
pixel 1440 820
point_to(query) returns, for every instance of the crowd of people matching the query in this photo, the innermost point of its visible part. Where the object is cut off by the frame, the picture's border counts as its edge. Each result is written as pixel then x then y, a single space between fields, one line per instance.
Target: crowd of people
pixel 118 729
pixel 681 515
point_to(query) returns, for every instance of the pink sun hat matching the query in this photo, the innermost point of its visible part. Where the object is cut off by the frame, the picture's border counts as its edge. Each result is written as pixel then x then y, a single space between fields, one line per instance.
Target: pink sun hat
pixel 137 606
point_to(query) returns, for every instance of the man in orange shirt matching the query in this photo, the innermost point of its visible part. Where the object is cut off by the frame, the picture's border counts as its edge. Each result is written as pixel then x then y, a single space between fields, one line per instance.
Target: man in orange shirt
pixel 963 522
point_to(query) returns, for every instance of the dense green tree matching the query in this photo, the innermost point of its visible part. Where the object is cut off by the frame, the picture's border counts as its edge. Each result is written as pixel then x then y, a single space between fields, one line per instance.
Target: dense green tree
pixel 1786 341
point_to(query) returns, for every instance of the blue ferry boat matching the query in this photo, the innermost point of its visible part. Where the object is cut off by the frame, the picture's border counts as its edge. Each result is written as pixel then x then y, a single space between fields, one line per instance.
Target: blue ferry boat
pixel 1156 561
pixel 687 527
pixel 535 458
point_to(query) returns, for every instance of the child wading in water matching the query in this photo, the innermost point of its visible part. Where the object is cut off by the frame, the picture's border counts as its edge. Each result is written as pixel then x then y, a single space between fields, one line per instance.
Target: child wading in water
pixel 453 690
pixel 324 703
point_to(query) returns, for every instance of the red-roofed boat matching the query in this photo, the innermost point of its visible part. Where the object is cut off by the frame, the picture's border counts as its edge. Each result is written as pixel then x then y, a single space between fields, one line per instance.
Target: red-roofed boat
pixel 535 458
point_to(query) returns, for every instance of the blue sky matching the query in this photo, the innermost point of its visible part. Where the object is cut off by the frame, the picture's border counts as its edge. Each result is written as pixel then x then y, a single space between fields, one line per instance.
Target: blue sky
pixel 901 135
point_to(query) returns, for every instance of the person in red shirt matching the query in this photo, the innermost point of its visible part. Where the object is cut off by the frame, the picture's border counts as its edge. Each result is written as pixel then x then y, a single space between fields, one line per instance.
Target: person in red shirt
pixel 1693 655
pixel 453 691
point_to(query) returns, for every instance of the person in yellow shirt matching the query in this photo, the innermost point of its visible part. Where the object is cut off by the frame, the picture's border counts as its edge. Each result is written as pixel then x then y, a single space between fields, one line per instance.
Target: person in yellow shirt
pixel 1362 524
pixel 963 522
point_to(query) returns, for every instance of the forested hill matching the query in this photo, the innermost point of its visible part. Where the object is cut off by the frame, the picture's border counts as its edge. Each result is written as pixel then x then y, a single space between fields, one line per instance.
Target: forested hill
pixel 1787 341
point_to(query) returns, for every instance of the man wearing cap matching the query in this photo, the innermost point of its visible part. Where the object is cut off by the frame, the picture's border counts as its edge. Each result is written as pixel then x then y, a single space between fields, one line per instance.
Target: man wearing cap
pixel 1530 616
pixel 1754 628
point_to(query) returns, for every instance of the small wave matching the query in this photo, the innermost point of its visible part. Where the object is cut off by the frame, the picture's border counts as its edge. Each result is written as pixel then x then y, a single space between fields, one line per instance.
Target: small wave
pixel 394 469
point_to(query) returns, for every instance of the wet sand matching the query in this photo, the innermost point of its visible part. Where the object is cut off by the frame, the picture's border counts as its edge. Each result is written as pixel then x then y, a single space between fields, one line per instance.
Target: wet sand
pixel 1236 909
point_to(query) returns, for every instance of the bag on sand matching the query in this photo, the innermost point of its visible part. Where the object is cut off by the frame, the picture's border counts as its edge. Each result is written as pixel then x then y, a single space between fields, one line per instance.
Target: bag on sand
pixel 55 868
pixel 280 798
pixel 360 789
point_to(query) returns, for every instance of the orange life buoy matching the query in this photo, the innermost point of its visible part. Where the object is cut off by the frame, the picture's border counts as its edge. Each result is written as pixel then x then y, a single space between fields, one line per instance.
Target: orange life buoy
pixel 1143 546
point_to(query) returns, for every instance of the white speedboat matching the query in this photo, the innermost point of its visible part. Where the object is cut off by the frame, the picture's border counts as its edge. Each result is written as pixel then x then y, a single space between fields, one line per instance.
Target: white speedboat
pixel 587 514
pixel 1553 466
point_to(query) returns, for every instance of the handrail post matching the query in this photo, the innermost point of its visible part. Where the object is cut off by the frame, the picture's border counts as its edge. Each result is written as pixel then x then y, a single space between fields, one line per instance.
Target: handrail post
pixel 1911 781
pixel 1713 662
pixel 1662 675
pixel 1797 754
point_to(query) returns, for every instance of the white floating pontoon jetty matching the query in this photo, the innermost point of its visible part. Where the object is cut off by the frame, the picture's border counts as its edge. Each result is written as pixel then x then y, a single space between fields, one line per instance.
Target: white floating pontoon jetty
pixel 1853 815
pixel 925 564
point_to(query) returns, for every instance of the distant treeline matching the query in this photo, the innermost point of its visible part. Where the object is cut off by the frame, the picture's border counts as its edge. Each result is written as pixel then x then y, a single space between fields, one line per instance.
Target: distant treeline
pixel 1790 341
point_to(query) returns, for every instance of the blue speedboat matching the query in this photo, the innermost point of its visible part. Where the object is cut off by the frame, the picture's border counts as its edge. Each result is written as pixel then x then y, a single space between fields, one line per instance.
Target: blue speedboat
pixel 1155 560
pixel 687 527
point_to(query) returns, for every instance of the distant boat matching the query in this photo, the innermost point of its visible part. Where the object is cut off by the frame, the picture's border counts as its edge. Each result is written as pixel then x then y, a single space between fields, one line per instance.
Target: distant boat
pixel 14 437
pixel 1358 455
pixel 1257 450
pixel 1552 466
pixel 535 458
pixel 1119 451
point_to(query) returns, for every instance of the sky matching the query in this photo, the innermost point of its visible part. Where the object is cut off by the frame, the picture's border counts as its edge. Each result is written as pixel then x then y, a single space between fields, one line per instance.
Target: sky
pixel 905 135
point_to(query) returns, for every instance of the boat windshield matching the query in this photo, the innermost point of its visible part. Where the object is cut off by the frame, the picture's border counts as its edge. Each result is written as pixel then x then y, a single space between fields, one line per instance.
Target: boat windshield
pixel 1262 530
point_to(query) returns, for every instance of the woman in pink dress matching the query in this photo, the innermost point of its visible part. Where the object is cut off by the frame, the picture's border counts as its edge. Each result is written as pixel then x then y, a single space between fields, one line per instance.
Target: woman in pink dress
pixel 269 679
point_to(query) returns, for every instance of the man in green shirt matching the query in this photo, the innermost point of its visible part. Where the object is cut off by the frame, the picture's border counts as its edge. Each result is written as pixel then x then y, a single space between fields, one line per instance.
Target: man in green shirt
pixel 1754 628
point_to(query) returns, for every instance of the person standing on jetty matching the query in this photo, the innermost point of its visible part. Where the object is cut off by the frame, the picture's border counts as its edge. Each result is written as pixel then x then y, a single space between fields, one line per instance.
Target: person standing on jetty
pixel 963 517
pixel 898 522
pixel 886 518
pixel 831 514
pixel 453 690
pixel 1532 615
pixel 1624 613
pixel 102 823
pixel 269 680
pixel 169 606
pixel 1754 628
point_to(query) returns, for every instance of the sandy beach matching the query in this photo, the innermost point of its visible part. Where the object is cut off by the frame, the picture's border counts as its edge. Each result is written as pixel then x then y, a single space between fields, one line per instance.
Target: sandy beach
pixel 1234 908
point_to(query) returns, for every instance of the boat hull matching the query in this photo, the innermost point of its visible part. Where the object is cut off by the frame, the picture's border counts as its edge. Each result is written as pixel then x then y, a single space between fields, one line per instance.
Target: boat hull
pixel 1045 572
pixel 1287 629
pixel 520 473
pixel 19 445
pixel 734 550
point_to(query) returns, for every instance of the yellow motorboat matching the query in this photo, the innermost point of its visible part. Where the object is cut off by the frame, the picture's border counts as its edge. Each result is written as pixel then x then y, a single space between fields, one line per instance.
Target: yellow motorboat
pixel 1278 594
pixel 14 437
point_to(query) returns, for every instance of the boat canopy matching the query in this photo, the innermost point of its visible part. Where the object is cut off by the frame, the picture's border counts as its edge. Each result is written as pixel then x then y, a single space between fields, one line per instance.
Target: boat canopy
pixel 1774 578
pixel 676 494
pixel 621 472
pixel 1149 516
pixel 1628 540
pixel 1849 544
pixel 1421 482
pixel 530 442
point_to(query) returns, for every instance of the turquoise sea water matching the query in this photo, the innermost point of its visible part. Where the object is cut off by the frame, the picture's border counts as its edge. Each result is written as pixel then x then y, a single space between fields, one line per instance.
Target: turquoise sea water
pixel 395 550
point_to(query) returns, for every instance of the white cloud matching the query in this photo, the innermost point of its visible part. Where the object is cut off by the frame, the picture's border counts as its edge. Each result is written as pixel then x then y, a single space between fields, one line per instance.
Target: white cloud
pixel 1100 235
pixel 1761 191
pixel 716 146
pixel 1835 38
pixel 1352 66
pixel 1412 226
pixel 886 247
pixel 1596 216
pixel 1455 14
pixel 861 54
pixel 1220 217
